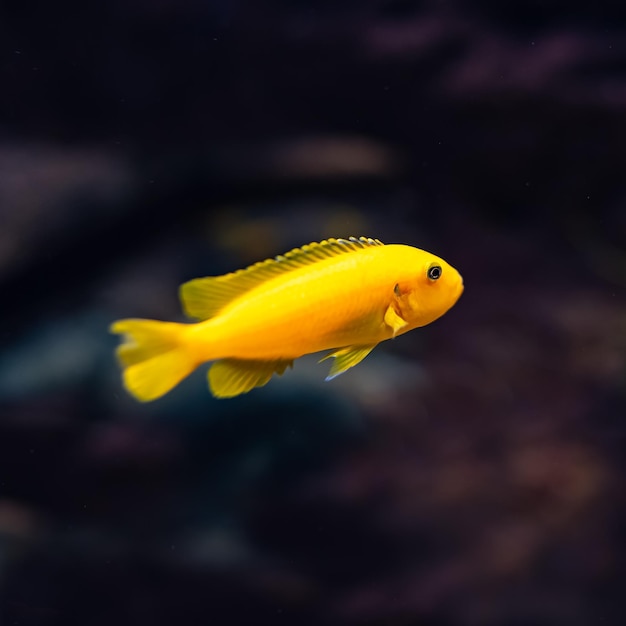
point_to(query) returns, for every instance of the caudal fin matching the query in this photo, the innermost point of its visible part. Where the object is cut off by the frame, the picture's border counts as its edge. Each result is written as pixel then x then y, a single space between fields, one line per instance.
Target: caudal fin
pixel 152 356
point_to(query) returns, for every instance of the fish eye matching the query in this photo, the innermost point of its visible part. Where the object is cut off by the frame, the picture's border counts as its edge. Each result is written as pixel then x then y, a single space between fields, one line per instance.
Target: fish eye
pixel 434 272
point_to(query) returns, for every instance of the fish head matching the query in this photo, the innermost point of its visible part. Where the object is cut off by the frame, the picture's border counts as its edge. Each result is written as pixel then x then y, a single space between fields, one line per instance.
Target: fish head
pixel 428 288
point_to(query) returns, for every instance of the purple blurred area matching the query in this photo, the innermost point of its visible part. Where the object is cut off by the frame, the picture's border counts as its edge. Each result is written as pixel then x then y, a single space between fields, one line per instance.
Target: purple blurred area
pixel 469 473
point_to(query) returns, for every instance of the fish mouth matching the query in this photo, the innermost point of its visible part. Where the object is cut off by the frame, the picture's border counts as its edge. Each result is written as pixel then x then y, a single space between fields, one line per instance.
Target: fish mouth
pixel 460 287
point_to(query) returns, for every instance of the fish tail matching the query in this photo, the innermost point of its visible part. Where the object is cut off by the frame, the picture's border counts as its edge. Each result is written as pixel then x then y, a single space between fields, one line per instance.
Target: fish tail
pixel 153 356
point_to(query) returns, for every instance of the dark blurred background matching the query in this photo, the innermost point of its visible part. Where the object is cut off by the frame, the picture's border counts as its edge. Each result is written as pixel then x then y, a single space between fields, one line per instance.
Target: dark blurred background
pixel 471 472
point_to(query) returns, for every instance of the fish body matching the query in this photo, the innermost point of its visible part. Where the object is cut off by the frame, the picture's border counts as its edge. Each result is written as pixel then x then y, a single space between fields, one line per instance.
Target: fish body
pixel 345 295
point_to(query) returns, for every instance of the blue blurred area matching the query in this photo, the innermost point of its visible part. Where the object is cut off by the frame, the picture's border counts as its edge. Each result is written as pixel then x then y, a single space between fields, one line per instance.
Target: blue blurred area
pixel 468 473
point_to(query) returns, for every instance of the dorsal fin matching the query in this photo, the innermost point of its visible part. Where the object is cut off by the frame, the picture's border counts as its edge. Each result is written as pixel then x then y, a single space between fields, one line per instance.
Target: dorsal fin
pixel 203 298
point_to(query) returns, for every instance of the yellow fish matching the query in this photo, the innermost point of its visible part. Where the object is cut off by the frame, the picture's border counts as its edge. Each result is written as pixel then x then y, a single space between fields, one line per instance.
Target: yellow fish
pixel 344 295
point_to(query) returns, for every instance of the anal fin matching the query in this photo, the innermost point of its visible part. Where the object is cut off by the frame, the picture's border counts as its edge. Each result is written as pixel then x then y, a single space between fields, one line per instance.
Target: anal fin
pixel 345 358
pixel 232 377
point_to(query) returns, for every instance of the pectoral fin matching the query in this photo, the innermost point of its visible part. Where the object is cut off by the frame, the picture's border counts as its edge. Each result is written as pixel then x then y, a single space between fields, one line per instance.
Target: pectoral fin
pixel 345 358
pixel 231 377
pixel 394 321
